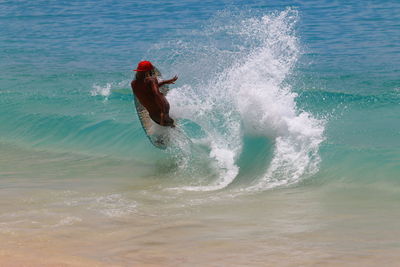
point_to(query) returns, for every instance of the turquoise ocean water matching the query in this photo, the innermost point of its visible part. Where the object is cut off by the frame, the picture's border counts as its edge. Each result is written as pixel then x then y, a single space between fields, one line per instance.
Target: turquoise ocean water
pixel 290 114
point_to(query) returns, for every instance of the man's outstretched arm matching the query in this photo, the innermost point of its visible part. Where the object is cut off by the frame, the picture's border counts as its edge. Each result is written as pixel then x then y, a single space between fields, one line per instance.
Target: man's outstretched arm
pixel 170 81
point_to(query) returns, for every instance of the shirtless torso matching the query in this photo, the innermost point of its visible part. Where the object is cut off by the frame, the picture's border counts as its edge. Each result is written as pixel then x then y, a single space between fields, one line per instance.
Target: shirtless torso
pixel 146 89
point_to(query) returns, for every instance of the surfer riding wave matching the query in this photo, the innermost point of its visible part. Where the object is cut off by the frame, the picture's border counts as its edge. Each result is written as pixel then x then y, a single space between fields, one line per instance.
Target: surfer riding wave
pixel 146 89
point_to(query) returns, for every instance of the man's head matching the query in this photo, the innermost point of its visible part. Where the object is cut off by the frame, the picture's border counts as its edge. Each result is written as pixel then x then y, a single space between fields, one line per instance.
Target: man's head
pixel 144 66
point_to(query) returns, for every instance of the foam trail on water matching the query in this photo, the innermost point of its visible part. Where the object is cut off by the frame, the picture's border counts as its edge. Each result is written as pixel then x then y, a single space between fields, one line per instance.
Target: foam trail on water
pixel 246 93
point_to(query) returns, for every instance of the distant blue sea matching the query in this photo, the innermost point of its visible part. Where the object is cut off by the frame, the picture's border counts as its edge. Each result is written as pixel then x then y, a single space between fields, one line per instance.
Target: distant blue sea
pixel 272 95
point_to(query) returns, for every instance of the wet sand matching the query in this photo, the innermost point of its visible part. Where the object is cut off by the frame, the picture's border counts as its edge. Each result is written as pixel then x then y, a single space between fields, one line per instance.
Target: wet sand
pixel 303 226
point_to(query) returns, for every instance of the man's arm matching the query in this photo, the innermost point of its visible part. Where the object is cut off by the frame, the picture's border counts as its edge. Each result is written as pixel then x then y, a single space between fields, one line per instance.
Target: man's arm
pixel 170 81
pixel 159 99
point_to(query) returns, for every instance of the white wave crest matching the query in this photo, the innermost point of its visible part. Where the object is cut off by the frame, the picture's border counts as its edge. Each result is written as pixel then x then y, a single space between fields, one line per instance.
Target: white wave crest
pixel 246 93
pixel 101 90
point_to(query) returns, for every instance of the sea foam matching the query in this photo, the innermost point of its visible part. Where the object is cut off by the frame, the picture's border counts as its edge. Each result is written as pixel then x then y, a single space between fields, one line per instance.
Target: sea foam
pixel 245 92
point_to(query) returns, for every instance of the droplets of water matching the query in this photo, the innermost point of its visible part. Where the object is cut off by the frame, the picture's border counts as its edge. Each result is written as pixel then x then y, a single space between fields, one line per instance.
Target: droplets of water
pixel 241 69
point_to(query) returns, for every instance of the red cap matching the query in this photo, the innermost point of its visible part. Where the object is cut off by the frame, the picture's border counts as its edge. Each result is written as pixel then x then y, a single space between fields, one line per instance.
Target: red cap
pixel 144 66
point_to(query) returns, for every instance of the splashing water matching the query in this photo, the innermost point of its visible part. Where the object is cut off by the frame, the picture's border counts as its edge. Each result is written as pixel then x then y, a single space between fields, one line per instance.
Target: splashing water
pixel 244 93
pixel 101 90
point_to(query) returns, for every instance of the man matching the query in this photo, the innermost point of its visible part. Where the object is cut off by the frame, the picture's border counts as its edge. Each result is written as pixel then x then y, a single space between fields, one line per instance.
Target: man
pixel 146 89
